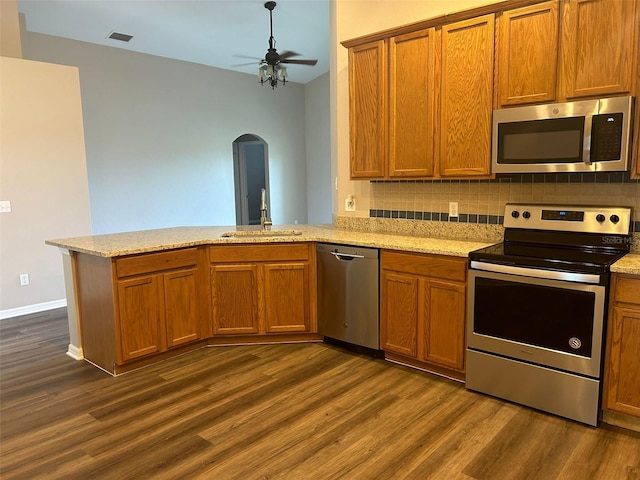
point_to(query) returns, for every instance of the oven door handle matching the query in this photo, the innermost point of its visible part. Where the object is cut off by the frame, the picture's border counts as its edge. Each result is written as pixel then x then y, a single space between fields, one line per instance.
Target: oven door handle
pixel 536 272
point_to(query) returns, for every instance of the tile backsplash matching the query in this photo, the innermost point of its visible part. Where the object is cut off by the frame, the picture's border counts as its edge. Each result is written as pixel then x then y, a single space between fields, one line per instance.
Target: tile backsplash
pixel 483 201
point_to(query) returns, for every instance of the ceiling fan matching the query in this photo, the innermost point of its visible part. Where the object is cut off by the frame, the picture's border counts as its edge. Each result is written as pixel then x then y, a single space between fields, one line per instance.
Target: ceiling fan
pixel 272 66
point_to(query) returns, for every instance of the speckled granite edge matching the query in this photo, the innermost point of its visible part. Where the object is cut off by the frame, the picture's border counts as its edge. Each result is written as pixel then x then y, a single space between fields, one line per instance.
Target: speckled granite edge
pixel 457 231
pixel 629 264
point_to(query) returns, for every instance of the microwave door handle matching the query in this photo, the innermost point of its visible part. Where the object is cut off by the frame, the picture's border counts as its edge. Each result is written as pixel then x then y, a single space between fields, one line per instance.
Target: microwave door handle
pixel 587 141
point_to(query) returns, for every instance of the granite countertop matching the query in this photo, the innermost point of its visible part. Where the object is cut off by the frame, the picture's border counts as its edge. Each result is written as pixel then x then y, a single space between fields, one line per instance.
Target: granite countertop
pixel 129 243
pixel 629 264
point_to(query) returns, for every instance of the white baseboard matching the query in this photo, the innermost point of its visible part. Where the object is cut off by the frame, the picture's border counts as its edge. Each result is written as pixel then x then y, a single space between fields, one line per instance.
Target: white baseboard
pixel 38 307
pixel 75 352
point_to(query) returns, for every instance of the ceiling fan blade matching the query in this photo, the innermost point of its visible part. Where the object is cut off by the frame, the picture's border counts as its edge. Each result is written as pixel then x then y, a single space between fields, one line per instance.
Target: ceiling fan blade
pixel 288 54
pixel 246 56
pixel 244 64
pixel 299 62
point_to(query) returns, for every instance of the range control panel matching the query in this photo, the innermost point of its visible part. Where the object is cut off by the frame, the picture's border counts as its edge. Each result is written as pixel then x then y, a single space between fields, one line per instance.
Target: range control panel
pixel 585 219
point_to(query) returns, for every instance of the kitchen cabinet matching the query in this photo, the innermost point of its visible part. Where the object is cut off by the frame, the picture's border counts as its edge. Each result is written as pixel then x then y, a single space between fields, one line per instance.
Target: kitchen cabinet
pixel 411 96
pixel 528 54
pixel 263 289
pixel 422 314
pixel 466 97
pixel 453 66
pixel 135 307
pixel 599 47
pixel 391 84
pixel 158 302
pixel 368 110
pixel 622 364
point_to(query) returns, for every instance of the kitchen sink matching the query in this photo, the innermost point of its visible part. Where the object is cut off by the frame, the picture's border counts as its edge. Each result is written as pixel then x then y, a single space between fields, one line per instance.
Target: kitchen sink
pixel 262 233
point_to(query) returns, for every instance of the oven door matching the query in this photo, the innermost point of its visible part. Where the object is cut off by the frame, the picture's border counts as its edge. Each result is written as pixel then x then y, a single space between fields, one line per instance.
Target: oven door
pixel 548 322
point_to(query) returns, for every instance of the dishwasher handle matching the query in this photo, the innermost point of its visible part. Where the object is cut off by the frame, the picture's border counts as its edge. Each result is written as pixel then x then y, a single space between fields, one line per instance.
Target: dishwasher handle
pixel 345 257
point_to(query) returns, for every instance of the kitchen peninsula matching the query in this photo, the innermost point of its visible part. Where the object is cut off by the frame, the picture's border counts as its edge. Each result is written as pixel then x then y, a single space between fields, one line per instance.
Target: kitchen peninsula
pixel 137 297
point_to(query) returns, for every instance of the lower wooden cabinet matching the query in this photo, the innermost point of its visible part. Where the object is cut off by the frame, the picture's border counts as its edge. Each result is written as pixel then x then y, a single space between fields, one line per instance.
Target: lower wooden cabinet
pixel 622 364
pixel 135 307
pixel 263 289
pixel 422 314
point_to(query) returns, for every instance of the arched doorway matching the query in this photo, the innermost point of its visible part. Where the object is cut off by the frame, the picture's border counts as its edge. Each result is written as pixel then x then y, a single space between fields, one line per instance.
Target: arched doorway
pixel 251 175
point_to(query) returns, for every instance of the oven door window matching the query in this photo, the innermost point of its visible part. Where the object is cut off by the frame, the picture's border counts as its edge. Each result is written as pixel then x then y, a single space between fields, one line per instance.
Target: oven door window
pixel 550 317
pixel 556 140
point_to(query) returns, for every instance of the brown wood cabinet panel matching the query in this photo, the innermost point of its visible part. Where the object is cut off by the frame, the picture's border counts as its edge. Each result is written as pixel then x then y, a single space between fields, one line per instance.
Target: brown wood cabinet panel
pixel 411 95
pixel 623 385
pixel 444 325
pixel 96 308
pixel 627 290
pixel 466 102
pixel 439 266
pixel 155 262
pixel 235 301
pixel 286 296
pixel 140 317
pixel 259 252
pixel 367 110
pixel 182 307
pixel 399 313
pixel 528 54
pixel 598 47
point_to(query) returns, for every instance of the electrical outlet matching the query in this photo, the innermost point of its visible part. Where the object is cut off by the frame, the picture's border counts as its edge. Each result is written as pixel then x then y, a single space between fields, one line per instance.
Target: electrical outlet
pixel 453 209
pixel 350 203
pixel 5 206
pixel 24 279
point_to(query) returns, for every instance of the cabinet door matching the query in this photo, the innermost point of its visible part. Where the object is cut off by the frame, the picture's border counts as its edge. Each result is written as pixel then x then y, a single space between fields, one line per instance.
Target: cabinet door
pixel 139 316
pixel 528 54
pixel 623 385
pixel 181 307
pixel 367 110
pixel 399 313
pixel 411 92
pixel 444 324
pixel 466 97
pixel 234 291
pixel 286 296
pixel 598 47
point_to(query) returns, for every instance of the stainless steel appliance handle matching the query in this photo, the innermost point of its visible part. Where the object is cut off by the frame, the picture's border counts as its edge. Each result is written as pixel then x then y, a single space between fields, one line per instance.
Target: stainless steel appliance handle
pixel 345 257
pixel 536 272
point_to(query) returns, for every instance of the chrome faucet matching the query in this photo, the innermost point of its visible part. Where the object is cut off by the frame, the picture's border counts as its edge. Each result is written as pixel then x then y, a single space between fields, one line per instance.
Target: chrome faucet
pixel 265 222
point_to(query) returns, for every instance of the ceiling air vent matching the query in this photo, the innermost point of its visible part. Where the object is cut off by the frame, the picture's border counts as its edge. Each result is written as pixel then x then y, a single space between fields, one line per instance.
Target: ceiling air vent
pixel 123 37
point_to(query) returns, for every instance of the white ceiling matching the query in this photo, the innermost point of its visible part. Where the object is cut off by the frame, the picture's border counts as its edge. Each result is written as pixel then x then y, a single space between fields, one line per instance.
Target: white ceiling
pixel 209 32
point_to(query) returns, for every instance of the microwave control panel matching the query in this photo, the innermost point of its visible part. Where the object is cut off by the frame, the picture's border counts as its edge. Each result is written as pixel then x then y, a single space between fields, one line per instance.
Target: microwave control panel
pixel 606 137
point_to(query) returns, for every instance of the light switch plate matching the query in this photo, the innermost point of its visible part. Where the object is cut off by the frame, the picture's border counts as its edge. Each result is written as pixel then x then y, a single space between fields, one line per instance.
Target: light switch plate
pixel 5 206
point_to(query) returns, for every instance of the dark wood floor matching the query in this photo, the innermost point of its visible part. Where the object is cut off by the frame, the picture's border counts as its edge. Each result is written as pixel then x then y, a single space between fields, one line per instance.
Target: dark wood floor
pixel 300 411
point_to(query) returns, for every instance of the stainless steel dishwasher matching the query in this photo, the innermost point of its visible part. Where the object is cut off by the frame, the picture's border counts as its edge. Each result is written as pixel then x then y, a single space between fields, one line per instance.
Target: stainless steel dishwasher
pixel 348 288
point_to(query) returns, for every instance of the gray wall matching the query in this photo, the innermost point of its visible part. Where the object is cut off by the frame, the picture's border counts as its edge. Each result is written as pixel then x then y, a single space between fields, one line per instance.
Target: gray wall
pixel 159 136
pixel 318 144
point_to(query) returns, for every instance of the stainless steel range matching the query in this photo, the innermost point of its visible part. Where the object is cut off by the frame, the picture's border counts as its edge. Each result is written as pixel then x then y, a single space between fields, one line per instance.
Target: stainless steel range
pixel 536 307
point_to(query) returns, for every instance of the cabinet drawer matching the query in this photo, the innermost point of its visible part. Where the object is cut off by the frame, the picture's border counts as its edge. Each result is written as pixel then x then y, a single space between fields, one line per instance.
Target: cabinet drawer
pixel 437 266
pixel 627 290
pixel 154 262
pixel 258 253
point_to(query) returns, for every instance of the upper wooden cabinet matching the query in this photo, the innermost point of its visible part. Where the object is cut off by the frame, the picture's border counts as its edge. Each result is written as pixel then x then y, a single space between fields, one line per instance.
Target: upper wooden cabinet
pixel 411 94
pixel 599 47
pixel 466 97
pixel 528 54
pixel 368 107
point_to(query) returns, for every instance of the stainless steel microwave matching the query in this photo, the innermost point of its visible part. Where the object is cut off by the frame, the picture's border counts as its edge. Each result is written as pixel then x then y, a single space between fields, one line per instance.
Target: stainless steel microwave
pixel 582 136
